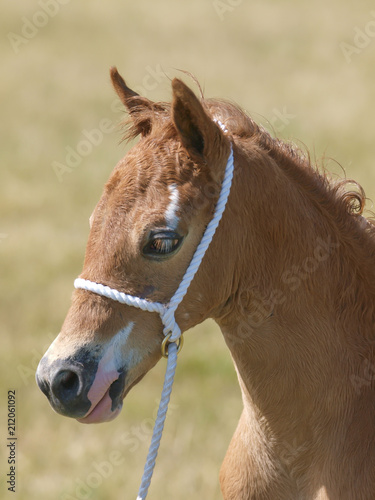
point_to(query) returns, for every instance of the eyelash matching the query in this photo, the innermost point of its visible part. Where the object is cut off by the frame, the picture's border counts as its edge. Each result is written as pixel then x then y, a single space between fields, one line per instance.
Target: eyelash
pixel 162 245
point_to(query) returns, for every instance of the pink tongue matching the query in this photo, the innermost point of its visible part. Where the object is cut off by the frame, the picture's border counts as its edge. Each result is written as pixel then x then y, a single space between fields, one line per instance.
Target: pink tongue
pixel 102 412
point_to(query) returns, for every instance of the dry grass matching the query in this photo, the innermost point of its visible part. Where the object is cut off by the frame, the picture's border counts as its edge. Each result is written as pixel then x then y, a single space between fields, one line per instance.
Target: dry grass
pixel 268 57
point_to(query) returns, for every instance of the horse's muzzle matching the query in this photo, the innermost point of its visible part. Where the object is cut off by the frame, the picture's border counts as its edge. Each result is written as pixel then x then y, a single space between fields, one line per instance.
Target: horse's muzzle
pixel 84 385
pixel 66 383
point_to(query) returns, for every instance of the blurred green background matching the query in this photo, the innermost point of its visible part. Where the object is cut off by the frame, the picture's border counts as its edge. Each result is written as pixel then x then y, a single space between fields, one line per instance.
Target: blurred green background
pixel 304 69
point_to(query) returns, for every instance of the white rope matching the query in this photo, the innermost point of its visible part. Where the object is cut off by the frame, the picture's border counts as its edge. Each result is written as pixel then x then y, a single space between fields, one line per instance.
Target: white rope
pixel 159 422
pixel 167 316
pixel 121 297
pixel 167 311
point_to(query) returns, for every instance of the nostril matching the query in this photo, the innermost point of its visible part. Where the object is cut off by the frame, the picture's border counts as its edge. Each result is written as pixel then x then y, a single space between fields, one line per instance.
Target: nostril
pixel 66 385
pixel 69 381
pixel 66 382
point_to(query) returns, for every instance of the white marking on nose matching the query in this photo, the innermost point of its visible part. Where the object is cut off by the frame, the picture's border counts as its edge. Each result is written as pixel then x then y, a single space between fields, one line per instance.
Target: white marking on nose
pixel 113 353
pixel 122 336
pixel 170 214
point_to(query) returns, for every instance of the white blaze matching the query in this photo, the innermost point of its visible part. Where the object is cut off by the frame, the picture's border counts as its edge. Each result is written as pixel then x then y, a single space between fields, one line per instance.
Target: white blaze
pixel 121 354
pixel 112 358
pixel 170 214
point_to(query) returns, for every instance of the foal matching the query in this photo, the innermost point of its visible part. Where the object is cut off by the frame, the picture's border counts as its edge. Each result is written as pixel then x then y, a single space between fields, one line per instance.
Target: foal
pixel 289 278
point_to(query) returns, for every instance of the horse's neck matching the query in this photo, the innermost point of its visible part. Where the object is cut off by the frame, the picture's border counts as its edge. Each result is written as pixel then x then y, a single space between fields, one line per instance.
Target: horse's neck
pixel 308 410
pixel 287 366
pixel 294 356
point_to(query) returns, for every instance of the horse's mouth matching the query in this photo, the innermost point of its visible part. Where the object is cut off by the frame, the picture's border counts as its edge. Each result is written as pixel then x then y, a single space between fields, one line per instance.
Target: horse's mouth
pixel 101 412
pixel 110 405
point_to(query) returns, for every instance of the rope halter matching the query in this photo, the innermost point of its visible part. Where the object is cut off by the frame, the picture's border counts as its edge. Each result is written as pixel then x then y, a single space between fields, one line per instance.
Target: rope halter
pixel 173 340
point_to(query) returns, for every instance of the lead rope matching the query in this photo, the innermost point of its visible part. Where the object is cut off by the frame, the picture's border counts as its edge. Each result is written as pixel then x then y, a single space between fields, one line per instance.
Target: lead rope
pixel 159 422
pixel 173 340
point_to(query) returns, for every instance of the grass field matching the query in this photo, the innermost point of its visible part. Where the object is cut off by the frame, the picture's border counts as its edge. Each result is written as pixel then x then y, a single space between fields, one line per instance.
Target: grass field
pixel 304 69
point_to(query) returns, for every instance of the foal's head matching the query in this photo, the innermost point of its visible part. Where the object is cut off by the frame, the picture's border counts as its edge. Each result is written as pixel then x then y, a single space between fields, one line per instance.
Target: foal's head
pixel 144 231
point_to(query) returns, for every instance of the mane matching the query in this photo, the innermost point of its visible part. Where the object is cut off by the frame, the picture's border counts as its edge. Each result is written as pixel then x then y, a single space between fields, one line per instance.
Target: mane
pixel 347 194
pixel 344 198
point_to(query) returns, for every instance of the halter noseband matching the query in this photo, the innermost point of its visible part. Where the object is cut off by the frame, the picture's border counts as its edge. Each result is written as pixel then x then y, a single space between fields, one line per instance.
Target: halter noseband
pixel 167 311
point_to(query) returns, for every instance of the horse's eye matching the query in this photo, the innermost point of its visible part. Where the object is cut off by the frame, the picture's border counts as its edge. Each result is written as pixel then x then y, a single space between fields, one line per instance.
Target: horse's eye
pixel 162 244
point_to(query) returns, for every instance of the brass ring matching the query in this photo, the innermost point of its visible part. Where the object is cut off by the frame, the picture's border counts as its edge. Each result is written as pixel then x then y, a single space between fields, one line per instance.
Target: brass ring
pixel 165 343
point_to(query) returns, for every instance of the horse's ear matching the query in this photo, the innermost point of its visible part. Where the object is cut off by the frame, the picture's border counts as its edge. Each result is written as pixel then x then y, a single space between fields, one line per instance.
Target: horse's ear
pixel 195 128
pixel 133 102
